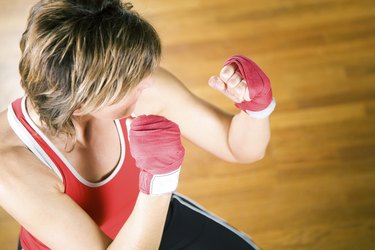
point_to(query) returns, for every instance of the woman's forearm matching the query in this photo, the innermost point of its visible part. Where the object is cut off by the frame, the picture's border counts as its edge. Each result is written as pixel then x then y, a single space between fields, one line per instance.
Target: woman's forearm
pixel 144 228
pixel 248 138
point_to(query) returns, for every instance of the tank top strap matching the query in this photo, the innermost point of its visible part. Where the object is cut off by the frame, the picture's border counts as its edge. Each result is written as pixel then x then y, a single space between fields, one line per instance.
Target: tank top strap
pixel 24 128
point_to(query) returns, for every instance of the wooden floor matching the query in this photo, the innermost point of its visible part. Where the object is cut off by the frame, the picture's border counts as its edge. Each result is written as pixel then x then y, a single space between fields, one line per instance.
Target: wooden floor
pixel 315 189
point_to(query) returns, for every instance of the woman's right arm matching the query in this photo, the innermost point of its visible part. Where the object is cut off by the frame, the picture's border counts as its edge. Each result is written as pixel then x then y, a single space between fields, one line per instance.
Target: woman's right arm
pixel 34 196
pixel 144 227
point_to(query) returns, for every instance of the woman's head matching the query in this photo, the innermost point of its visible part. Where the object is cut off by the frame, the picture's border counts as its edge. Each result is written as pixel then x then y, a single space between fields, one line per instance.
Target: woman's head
pixel 83 54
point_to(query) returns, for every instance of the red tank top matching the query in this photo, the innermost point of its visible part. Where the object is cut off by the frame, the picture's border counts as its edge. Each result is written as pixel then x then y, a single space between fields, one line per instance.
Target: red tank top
pixel 109 203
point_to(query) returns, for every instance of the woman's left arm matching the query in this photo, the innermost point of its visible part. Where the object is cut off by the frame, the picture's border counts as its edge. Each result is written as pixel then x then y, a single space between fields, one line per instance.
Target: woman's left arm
pixel 235 138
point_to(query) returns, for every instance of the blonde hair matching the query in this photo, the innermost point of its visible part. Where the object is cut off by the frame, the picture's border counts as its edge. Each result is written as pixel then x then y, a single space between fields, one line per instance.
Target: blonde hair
pixel 83 54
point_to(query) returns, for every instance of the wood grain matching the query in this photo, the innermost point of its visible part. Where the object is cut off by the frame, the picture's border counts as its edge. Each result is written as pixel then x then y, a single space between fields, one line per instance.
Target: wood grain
pixel 315 188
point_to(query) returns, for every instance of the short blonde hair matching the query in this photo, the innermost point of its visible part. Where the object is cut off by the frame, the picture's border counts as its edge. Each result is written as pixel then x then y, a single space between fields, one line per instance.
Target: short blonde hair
pixel 83 54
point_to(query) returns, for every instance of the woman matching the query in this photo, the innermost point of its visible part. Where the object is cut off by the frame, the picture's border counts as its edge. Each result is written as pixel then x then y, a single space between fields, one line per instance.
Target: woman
pixel 82 167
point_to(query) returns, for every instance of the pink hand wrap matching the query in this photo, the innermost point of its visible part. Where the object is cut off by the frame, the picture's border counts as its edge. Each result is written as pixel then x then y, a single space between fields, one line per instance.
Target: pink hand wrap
pixel 155 144
pixel 262 103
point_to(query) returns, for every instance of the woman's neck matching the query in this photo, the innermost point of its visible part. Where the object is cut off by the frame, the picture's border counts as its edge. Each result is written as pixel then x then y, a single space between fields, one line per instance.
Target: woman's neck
pixel 85 126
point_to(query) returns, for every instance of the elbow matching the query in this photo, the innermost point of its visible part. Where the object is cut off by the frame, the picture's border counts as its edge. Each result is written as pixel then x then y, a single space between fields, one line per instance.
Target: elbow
pixel 256 157
pixel 260 156
pixel 247 153
pixel 250 157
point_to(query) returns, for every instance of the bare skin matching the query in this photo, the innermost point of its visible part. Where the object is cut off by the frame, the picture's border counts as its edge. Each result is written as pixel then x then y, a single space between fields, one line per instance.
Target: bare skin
pixel 25 180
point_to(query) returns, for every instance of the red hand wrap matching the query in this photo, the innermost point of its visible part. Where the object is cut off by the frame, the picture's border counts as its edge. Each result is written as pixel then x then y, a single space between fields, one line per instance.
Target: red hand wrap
pixel 259 85
pixel 156 147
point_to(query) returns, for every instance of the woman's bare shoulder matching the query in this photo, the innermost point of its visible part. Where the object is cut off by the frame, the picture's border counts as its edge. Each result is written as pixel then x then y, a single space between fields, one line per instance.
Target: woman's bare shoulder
pixel 17 163
pixel 166 88
pixel 8 138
